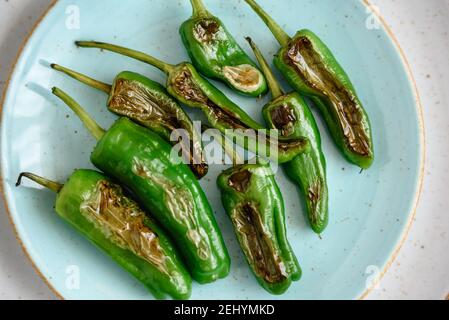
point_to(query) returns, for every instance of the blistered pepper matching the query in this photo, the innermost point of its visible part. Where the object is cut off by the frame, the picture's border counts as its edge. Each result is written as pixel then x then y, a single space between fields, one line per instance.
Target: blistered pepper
pixel 216 54
pixel 254 203
pixel 312 70
pixel 290 114
pixel 148 103
pixel 115 223
pixel 143 162
pixel 187 86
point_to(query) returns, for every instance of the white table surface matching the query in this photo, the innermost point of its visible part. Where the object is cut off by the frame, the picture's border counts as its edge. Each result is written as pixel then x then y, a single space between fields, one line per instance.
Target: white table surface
pixel 421 270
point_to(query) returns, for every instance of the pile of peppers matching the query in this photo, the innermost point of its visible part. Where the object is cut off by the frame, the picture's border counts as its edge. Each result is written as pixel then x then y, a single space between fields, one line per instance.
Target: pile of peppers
pixel 146 208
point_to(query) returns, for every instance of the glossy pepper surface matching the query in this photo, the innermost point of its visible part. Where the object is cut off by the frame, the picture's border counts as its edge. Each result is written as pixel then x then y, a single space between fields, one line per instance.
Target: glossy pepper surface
pixel 253 201
pixel 187 86
pixel 290 114
pixel 100 211
pixel 217 55
pixel 147 102
pixel 312 70
pixel 143 162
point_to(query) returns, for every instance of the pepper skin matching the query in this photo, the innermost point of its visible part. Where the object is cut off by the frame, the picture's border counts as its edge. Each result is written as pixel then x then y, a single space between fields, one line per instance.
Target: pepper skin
pixel 254 203
pixel 215 53
pixel 312 70
pixel 290 114
pixel 100 211
pixel 143 162
pixel 187 86
pixel 148 103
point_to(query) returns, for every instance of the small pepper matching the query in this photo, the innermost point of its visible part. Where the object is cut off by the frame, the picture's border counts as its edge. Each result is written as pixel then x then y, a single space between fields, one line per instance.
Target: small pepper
pixel 312 70
pixel 187 86
pixel 100 211
pixel 290 114
pixel 216 54
pixel 253 201
pixel 143 162
pixel 148 103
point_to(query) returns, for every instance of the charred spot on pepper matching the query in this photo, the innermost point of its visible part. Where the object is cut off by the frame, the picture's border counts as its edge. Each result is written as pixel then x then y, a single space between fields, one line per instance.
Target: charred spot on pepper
pixel 293 144
pixel 180 203
pixel 240 180
pixel 124 223
pixel 309 65
pixel 258 246
pixel 283 118
pixel 314 195
pixel 135 101
pixel 190 91
pixel 199 170
pixel 206 30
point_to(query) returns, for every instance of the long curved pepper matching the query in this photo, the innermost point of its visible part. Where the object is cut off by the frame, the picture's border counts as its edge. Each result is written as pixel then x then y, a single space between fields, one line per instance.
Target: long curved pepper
pixel 187 86
pixel 217 55
pixel 144 162
pixel 290 114
pixel 253 201
pixel 147 102
pixel 312 70
pixel 100 211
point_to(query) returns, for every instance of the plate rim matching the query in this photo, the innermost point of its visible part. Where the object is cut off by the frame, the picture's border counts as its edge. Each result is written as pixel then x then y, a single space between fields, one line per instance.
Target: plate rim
pixel 423 148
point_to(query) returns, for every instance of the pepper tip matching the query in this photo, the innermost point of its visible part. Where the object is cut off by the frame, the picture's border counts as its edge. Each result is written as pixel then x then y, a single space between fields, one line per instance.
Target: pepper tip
pixel 19 179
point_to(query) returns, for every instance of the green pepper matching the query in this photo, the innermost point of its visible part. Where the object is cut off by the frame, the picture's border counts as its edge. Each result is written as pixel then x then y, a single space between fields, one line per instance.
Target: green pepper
pixel 290 114
pixel 148 103
pixel 100 211
pixel 312 70
pixel 143 162
pixel 187 86
pixel 253 201
pixel 216 54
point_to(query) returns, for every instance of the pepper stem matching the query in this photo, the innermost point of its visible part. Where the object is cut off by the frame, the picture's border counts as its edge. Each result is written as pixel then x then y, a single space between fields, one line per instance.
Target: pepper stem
pixel 277 31
pixel 83 78
pixel 199 9
pixel 51 185
pixel 97 131
pixel 275 87
pixel 165 67
pixel 227 146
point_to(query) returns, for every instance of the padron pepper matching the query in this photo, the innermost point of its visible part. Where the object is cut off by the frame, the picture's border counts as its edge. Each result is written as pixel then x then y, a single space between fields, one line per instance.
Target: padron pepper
pixel 148 103
pixel 99 210
pixel 143 162
pixel 254 203
pixel 216 54
pixel 312 70
pixel 290 114
pixel 187 86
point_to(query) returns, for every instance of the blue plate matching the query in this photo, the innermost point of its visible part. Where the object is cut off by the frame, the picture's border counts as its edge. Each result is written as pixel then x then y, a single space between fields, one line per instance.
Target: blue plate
pixel 370 211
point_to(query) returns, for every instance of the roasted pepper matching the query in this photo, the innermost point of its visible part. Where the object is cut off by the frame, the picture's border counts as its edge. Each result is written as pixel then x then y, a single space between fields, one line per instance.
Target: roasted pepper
pixel 216 54
pixel 290 114
pixel 143 162
pixel 100 211
pixel 187 86
pixel 148 103
pixel 311 69
pixel 253 201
